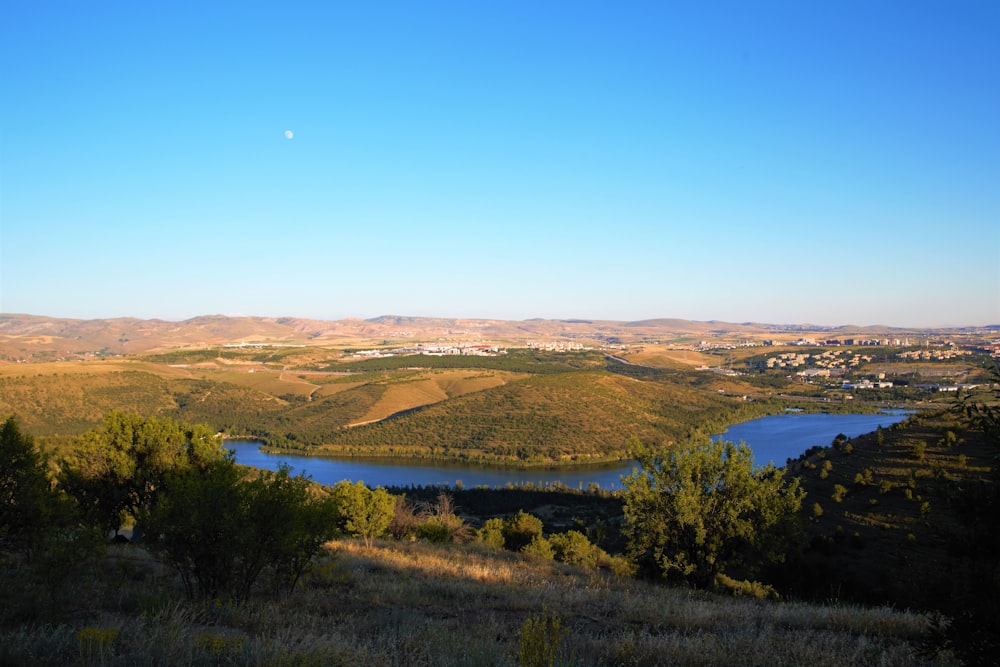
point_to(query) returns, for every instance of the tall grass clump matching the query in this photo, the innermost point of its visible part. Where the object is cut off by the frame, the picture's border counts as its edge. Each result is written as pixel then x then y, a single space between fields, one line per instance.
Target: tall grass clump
pixel 539 640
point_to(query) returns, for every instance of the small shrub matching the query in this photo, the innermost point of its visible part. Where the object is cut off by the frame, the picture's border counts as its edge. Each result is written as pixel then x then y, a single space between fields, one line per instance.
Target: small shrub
pixel 618 564
pixel 539 640
pixel 574 548
pixel 405 520
pixel 491 533
pixel 817 511
pixel 539 546
pixel 520 530
pixel 865 478
pixel 433 531
pixel 839 491
pixel 918 450
pixel 753 589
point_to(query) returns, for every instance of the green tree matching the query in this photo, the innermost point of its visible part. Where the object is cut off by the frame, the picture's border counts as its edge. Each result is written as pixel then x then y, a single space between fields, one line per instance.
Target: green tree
pixel 697 511
pixel 114 470
pixel 287 525
pixel 29 506
pixel 363 512
pixel 196 524
pixel 521 530
pixel 221 529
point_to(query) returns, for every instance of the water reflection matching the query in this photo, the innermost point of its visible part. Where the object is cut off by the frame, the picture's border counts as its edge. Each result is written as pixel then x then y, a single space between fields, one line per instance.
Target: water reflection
pixel 776 439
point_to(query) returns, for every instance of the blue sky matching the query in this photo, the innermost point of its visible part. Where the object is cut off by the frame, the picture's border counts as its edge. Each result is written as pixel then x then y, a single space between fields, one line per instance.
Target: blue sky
pixel 785 162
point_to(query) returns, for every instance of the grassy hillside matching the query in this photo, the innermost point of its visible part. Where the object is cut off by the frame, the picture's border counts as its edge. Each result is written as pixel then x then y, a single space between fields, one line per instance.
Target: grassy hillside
pixel 572 416
pixel 420 604
pixel 70 403
pixel 888 527
pixel 531 407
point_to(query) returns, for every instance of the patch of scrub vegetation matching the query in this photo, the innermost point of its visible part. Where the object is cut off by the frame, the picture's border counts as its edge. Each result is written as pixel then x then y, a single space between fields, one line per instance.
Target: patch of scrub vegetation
pixel 569 417
pixel 271 591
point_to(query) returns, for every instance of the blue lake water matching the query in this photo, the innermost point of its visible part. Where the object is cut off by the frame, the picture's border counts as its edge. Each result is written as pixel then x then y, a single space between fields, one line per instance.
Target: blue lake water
pixel 413 473
pixel 774 439
pixel 777 438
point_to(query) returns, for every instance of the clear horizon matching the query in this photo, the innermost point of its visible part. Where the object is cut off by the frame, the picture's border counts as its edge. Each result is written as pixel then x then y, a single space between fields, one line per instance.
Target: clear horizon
pixel 779 162
pixel 817 325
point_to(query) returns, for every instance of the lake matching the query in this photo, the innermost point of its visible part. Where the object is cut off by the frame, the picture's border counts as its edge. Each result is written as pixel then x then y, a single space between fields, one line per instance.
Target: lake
pixel 774 439
pixel 777 438
pixel 413 473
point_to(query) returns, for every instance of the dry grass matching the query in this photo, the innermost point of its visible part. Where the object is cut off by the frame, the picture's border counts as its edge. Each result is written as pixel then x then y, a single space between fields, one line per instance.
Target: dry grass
pixel 427 388
pixel 419 604
pixel 275 383
pixel 666 358
pixel 91 368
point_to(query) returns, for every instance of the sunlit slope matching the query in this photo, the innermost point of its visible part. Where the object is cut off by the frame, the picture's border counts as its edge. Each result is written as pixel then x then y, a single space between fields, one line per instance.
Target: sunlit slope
pixel 68 404
pixel 433 387
pixel 669 358
pixel 570 411
pixel 579 416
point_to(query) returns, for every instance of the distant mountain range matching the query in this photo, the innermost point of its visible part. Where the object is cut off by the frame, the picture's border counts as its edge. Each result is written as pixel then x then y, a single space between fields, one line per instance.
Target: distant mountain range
pixel 31 335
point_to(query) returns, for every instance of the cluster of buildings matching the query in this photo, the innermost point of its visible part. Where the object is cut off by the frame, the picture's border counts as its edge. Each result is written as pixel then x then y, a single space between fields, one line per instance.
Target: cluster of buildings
pixel 831 360
pixel 857 342
pixel 558 346
pixel 436 350
pixel 868 384
pixel 933 354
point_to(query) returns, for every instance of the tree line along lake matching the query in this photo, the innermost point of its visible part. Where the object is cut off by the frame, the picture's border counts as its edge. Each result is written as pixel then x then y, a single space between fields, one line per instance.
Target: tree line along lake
pixel 773 439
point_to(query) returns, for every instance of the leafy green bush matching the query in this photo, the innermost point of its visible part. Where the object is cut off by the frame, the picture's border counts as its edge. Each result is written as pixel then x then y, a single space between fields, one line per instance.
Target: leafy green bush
pixel 491 533
pixel 738 588
pixel 540 547
pixel 574 548
pixel 220 530
pixel 520 530
pixel 694 511
pixel 363 512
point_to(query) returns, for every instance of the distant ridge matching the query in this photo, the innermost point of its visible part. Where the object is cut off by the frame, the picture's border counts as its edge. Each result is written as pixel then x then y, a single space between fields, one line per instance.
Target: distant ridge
pixel 24 335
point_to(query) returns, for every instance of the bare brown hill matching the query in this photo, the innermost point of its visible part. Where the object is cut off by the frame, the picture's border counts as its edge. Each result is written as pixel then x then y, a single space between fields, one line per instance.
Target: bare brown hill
pixel 38 338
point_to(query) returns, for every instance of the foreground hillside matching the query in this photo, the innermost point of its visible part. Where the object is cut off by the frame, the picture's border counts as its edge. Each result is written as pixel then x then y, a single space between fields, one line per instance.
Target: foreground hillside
pixel 888 518
pixel 420 604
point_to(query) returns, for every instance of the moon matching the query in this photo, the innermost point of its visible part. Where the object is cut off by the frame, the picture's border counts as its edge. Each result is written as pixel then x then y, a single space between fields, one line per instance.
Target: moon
pixel 289 134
